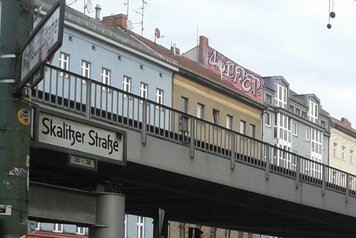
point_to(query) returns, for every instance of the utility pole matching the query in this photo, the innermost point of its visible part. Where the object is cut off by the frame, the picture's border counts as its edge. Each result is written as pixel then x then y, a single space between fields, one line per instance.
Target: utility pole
pixel 15 116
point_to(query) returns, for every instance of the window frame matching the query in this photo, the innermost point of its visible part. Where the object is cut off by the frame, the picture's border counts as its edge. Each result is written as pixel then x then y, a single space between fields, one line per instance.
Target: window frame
pixel 126 84
pixel 200 110
pixel 268 119
pixel 80 230
pixel 144 90
pixel 307 133
pixel 106 78
pixel 159 98
pixel 252 130
pixel 229 121
pixel 215 116
pixel 242 128
pixel 140 227
pixel 58 228
pixel 295 128
pixel 64 60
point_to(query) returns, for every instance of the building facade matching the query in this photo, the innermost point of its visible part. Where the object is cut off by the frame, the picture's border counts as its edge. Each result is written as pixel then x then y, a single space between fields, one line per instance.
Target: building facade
pixel 103 52
pixel 216 89
pixel 135 227
pixel 342 146
pixel 296 123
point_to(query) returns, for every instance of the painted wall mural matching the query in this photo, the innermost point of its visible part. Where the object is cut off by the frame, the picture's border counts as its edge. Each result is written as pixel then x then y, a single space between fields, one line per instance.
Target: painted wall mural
pixel 240 78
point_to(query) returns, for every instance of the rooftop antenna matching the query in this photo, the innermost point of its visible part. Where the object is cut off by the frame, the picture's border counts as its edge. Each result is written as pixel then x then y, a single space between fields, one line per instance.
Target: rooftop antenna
pixel 127 4
pixel 88 6
pixel 142 14
pixel 70 3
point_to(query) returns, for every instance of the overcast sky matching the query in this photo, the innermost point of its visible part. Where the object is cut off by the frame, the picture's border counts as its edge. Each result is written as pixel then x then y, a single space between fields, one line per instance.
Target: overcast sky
pixel 270 37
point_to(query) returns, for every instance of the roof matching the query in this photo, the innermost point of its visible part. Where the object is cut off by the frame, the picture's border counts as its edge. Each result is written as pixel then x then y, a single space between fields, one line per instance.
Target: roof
pixel 118 35
pixel 344 125
pixel 187 65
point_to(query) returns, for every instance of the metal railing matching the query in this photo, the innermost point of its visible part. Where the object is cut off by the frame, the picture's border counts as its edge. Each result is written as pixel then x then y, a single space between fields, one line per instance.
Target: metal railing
pixel 92 99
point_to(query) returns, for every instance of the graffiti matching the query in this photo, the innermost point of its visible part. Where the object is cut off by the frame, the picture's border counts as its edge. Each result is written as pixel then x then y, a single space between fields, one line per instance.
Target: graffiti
pixel 241 78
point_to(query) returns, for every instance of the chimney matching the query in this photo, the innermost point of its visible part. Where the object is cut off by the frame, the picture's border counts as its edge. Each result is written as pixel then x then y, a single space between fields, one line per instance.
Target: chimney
pixel 345 122
pixel 203 50
pixel 175 50
pixel 97 12
pixel 118 20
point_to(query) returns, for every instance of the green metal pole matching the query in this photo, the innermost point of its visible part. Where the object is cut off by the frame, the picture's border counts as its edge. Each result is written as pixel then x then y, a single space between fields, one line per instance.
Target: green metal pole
pixel 15 25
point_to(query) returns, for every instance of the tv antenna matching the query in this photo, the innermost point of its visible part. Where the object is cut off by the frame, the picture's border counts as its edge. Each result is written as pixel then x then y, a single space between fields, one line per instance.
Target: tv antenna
pixel 70 3
pixel 88 6
pixel 141 12
pixel 127 4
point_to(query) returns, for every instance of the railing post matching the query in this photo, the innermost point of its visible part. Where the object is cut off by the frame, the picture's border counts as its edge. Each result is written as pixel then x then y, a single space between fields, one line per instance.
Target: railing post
pixel 144 121
pixel 347 188
pixel 88 101
pixel 297 172
pixel 323 182
pixel 192 137
pixel 268 154
pixel 233 150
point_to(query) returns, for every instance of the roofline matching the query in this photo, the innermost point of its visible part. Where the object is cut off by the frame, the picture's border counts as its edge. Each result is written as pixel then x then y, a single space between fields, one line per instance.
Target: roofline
pixel 206 82
pixel 120 45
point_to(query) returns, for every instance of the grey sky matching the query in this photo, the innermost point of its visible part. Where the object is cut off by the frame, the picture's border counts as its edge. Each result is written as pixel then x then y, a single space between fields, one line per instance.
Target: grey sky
pixel 269 37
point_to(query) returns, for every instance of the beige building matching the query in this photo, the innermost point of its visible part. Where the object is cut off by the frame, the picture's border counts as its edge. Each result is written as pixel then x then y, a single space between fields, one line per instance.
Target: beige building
pixel 342 146
pixel 216 89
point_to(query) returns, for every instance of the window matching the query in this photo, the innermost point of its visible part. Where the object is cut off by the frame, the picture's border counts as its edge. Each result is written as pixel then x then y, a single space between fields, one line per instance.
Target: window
pixel 335 145
pixel 215 116
pixel 184 104
pixel 295 128
pixel 268 98
pixel 313 111
pixel 58 228
pixel 304 114
pixel 268 119
pixel 283 127
pixel 253 130
pixel 63 63
pixel 281 96
pixel 316 142
pixel 343 153
pixel 200 111
pixel 243 127
pixel 38 226
pixel 227 233
pixel 144 90
pixel 105 77
pixel 229 122
pixel 159 96
pixel 140 227
pixel 323 124
pixel 126 84
pixel 80 230
pixel 291 108
pixel 297 111
pixel 351 156
pixel 85 69
pixel 307 134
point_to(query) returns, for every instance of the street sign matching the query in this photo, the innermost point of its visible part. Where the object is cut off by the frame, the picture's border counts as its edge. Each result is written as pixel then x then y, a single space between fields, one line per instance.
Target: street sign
pixel 43 42
pixel 85 140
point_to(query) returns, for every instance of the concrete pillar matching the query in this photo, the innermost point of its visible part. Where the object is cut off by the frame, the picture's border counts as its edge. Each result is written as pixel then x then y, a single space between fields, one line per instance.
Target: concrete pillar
pixel 110 216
